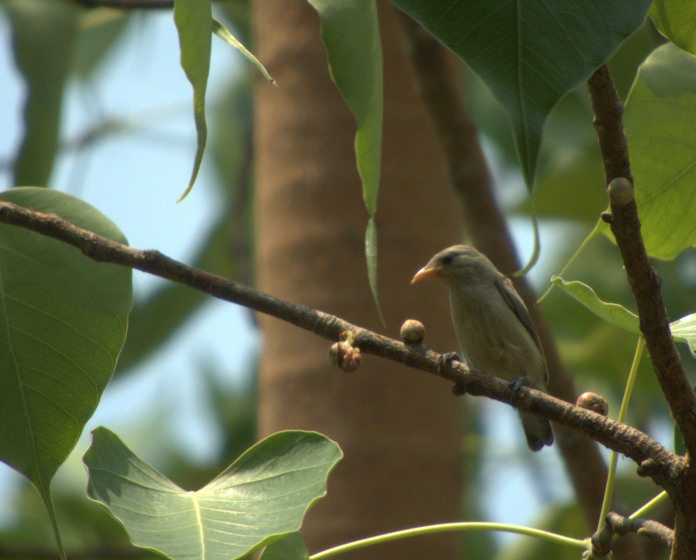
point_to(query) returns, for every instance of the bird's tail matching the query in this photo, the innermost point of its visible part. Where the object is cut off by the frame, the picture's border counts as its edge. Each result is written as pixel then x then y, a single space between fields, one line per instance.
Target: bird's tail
pixel 537 431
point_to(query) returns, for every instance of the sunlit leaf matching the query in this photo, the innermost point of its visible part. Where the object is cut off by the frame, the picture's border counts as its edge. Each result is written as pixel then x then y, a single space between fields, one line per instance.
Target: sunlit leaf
pixel 610 312
pixel 684 330
pixel 224 34
pixel 194 23
pixel 65 319
pixel 262 496
pixel 660 123
pixel 675 20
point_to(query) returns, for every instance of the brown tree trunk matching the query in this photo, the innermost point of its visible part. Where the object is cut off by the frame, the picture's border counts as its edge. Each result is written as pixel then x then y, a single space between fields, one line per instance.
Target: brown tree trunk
pixel 401 431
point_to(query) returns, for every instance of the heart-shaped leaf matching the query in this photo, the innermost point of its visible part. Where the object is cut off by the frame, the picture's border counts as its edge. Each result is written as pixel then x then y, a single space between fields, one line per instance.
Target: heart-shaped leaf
pixel 64 321
pixel 262 496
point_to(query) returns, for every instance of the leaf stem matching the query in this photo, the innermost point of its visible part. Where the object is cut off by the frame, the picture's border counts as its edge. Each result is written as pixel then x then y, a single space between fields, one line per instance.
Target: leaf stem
pixel 609 492
pixel 446 527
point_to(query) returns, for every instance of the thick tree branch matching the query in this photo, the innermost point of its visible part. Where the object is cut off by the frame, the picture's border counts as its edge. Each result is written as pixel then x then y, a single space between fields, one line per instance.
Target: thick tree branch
pixel 618 525
pixel 642 277
pixel 664 465
pixel 437 75
pixel 645 285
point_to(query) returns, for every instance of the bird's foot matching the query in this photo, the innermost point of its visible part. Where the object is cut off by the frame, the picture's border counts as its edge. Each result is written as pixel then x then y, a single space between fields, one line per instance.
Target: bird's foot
pixel 445 359
pixel 514 386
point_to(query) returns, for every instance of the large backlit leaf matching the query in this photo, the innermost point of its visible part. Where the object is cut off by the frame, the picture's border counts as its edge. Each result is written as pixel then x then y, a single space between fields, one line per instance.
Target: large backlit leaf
pixel 194 23
pixel 530 53
pixel 675 20
pixel 64 321
pixel 660 122
pixel 684 330
pixel 262 496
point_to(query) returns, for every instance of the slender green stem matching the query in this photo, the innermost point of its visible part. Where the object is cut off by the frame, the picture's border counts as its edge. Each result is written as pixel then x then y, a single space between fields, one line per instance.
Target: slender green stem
pixel 657 500
pixel 478 526
pixel 594 233
pixel 609 492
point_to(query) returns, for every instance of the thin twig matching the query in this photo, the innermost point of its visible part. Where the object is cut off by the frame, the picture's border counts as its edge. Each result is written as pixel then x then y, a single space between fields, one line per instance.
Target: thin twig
pixel 664 465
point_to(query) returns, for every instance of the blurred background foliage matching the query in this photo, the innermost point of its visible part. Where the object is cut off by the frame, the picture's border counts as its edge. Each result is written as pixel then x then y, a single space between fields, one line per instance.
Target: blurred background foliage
pixel 58 42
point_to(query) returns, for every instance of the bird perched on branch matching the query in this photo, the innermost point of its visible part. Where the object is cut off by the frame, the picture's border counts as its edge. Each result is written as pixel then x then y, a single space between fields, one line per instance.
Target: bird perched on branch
pixel 493 326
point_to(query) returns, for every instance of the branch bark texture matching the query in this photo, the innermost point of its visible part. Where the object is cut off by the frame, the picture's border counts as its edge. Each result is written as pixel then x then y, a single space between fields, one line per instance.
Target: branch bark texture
pixel 645 285
pixel 664 466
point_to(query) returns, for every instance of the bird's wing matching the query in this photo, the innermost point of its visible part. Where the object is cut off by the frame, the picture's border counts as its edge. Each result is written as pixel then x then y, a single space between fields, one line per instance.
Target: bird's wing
pixel 515 302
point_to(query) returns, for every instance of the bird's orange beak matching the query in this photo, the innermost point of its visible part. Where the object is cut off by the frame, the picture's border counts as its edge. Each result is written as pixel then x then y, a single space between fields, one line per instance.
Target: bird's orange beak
pixel 425 273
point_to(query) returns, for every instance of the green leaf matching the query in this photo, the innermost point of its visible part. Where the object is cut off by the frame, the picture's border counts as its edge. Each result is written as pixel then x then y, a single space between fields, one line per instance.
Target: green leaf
pixel 64 321
pixel 675 20
pixel 530 54
pixel 660 123
pixel 221 31
pixel 684 330
pixel 262 496
pixel 350 32
pixel 194 23
pixel 290 547
pixel 43 35
pixel 371 253
pixel 610 312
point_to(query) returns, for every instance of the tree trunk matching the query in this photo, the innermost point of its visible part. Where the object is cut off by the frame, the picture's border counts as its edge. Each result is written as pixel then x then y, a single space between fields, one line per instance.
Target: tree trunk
pixel 401 431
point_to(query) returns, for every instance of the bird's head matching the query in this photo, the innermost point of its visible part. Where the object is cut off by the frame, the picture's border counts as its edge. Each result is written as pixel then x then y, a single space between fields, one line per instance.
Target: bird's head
pixel 458 265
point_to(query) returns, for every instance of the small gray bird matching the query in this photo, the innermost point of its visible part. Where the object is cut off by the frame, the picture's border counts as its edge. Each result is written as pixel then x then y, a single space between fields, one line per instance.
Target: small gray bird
pixel 493 327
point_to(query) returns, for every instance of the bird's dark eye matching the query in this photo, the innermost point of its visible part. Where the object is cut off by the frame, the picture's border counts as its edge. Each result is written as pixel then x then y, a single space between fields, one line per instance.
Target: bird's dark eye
pixel 447 259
